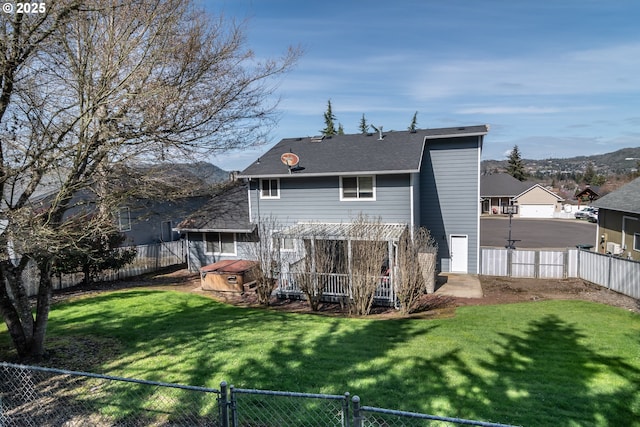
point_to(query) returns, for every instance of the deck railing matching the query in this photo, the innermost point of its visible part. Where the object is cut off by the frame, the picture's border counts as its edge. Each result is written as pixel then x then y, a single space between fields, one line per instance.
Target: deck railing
pixel 333 285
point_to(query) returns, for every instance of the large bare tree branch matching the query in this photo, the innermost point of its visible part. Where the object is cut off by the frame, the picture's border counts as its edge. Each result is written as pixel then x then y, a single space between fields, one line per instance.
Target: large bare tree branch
pixel 94 87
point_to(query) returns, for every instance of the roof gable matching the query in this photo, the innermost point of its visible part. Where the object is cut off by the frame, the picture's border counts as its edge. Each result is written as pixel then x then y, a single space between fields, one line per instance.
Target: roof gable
pixel 227 210
pixel 534 186
pixel 624 199
pixel 395 152
pixel 501 185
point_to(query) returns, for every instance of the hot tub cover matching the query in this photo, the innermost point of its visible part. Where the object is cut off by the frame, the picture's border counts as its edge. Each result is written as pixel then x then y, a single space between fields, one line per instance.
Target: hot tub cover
pixel 230 266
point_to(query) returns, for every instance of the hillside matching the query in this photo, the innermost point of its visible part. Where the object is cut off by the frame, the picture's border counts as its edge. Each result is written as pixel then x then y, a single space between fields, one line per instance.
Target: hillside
pixel 604 164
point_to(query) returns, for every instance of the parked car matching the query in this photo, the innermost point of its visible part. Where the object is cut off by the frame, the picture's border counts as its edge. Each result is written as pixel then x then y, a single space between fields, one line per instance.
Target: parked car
pixel 588 213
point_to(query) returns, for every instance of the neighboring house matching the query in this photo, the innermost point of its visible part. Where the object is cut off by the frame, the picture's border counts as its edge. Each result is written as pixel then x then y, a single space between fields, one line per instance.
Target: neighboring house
pixel 142 221
pixel 618 229
pixel 428 178
pixel 588 194
pixel 533 200
pixel 220 229
pixel 149 221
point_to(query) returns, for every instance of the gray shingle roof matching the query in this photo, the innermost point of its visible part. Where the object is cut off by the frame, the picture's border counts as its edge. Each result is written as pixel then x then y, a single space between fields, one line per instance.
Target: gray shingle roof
pixel 396 152
pixel 226 211
pixel 502 185
pixel 624 199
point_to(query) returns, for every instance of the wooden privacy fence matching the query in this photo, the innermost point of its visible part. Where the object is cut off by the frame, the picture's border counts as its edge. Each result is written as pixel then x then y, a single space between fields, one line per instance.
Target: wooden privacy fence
pixel 618 274
pixel 149 258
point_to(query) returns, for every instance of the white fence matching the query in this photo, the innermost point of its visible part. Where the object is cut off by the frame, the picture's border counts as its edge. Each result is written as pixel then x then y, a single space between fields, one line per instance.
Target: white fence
pixel 618 274
pixel 149 258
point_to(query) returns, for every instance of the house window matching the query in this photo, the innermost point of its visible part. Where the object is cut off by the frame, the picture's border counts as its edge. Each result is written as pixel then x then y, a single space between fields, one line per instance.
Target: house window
pixel 357 188
pixel 166 231
pixel 286 244
pixel 124 219
pixel 220 243
pixel 269 188
pixel 636 242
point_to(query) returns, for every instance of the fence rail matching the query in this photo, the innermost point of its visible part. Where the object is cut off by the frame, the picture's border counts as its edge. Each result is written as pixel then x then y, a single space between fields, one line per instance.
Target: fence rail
pixel 618 274
pixel 149 258
pixel 37 396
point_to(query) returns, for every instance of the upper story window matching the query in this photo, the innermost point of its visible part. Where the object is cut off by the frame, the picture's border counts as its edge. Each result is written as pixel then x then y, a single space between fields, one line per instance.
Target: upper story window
pixel 358 187
pixel 269 188
pixel 636 241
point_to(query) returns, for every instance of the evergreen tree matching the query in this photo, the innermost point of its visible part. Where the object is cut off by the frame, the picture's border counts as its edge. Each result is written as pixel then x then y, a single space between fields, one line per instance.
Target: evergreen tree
pixel 363 127
pixel 515 166
pixel 329 121
pixel 340 129
pixel 589 174
pixel 414 122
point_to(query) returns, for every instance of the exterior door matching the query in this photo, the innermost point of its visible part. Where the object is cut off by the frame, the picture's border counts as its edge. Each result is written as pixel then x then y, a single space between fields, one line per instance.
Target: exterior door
pixel 459 253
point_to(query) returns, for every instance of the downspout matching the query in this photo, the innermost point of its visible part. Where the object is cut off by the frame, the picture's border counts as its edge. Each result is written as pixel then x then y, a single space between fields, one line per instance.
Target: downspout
pixel 478 208
pixel 392 272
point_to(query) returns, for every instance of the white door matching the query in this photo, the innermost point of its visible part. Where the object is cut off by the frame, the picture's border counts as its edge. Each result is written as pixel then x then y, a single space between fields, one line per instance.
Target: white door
pixel 536 211
pixel 459 253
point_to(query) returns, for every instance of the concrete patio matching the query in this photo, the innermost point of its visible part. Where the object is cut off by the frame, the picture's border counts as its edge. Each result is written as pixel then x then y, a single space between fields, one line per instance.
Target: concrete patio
pixel 459 285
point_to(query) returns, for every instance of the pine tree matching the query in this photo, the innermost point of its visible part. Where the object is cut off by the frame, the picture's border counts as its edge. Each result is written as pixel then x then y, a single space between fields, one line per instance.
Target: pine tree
pixel 589 175
pixel 329 121
pixel 414 123
pixel 340 129
pixel 364 127
pixel 515 166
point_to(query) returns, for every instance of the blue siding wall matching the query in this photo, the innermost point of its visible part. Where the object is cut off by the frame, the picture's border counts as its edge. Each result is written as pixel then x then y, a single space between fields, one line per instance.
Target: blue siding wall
pixel 449 200
pixel 317 199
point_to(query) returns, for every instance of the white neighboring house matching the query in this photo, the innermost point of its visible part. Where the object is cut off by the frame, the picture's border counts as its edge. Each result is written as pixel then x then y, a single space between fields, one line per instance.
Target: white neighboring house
pixel 533 200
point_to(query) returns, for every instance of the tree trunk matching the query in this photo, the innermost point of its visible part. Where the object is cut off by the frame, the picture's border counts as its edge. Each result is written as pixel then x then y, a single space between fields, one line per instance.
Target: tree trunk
pixel 42 309
pixel 15 306
pixel 26 332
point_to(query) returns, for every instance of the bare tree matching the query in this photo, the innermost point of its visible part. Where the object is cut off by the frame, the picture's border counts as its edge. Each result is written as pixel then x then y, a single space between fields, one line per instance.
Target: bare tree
pixel 319 268
pixel 91 87
pixel 265 250
pixel 368 251
pixel 415 267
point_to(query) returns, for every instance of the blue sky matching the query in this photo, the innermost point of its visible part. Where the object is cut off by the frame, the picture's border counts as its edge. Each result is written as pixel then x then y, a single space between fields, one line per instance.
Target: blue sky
pixel 558 78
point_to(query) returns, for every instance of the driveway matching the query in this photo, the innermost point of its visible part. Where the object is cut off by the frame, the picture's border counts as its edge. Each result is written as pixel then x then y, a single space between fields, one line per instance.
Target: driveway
pixel 537 233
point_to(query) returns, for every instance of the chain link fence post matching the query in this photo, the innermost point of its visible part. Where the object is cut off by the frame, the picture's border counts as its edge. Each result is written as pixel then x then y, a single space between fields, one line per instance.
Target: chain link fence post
pixel 357 418
pixel 345 411
pixel 224 409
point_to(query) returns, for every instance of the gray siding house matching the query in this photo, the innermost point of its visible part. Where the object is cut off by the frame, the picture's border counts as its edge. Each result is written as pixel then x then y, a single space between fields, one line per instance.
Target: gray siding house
pixel 428 178
pixel 220 229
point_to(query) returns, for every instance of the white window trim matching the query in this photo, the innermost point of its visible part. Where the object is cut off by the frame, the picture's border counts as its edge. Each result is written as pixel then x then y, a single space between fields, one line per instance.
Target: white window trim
pixel 281 241
pixel 207 252
pixel 262 196
pixel 359 199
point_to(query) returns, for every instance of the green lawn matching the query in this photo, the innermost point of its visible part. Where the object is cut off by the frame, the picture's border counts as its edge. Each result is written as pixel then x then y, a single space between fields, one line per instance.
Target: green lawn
pixel 551 363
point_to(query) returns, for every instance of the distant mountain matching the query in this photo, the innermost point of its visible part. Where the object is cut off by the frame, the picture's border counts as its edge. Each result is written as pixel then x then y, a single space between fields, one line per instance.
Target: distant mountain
pixel 203 172
pixel 604 164
pixel 209 173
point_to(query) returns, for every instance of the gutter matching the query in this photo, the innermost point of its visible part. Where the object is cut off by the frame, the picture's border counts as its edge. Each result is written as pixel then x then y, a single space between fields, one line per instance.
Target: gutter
pixel 325 174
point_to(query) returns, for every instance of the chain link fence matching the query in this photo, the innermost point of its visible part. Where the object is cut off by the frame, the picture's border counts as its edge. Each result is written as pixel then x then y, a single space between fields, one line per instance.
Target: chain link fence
pixel 367 416
pixel 278 408
pixel 37 396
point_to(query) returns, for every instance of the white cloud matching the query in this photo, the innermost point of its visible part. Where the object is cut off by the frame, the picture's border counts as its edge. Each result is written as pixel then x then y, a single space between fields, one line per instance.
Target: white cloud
pixel 613 69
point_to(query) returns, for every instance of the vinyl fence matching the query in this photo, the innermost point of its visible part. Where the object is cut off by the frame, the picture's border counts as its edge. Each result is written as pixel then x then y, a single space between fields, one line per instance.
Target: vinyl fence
pixel 149 258
pixel 37 396
pixel 618 274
